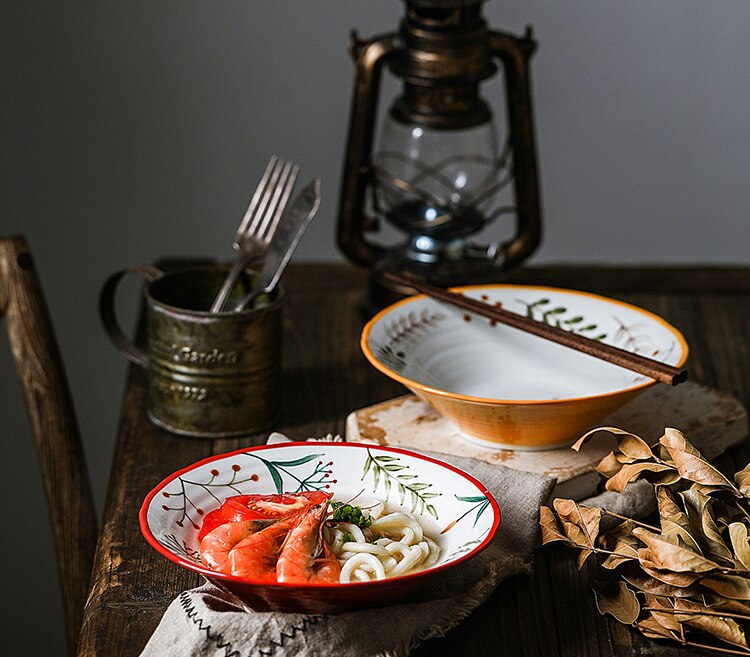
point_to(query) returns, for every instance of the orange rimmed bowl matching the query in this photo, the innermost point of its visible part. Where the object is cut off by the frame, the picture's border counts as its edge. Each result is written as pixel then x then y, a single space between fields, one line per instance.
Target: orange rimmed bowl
pixel 509 389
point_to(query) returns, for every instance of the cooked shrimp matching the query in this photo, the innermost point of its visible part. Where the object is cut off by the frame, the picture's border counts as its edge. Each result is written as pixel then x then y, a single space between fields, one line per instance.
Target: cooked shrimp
pixel 256 556
pixel 218 543
pixel 300 560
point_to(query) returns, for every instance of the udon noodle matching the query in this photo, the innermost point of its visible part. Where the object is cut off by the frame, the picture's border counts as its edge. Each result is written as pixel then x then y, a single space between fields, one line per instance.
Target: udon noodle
pixel 394 544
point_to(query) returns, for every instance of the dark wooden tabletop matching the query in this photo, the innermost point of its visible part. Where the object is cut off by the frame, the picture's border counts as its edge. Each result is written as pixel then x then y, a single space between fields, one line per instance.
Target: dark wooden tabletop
pixel 326 377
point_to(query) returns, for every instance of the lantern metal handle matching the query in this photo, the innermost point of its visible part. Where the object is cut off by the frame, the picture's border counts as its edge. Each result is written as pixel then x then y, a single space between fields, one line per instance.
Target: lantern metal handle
pixel 514 53
pixel 369 57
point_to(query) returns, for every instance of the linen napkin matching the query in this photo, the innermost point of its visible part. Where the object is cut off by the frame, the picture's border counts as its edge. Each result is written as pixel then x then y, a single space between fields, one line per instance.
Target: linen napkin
pixel 207 622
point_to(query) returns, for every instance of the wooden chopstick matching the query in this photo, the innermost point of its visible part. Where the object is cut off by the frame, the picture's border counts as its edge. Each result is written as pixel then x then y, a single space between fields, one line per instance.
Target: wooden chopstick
pixel 635 362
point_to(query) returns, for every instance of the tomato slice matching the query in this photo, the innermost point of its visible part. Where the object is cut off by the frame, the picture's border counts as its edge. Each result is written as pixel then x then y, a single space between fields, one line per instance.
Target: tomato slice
pixel 259 507
pixel 210 522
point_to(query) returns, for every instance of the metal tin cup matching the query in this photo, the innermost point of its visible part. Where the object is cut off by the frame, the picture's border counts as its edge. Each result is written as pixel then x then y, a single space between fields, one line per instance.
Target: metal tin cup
pixel 209 374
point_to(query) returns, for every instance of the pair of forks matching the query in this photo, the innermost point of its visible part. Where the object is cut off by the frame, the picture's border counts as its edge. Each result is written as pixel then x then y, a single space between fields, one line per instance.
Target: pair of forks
pixel 260 222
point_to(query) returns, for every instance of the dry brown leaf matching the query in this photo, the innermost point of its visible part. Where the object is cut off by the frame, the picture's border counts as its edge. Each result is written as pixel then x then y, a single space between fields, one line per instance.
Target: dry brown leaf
pixel 669 508
pixel 550 531
pixel 667 556
pixel 609 466
pixel 743 480
pixel 689 462
pixel 616 599
pixel 719 603
pixel 725 629
pixel 642 581
pixel 674 521
pixel 664 474
pixel 740 544
pixel 728 586
pixel 653 629
pixel 627 443
pixel 667 620
pixel 717 549
pixel 675 439
pixel 703 527
pixel 579 523
pixel 677 534
pixel 680 580
pixel 621 541
pixel 582 556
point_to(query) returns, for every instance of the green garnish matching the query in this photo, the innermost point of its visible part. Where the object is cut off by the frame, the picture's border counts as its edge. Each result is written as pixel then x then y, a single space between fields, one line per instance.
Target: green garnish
pixel 349 513
pixel 377 537
pixel 348 538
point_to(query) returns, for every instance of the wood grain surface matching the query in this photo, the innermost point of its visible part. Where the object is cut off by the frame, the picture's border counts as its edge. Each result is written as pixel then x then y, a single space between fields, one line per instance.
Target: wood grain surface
pixel 54 426
pixel 551 613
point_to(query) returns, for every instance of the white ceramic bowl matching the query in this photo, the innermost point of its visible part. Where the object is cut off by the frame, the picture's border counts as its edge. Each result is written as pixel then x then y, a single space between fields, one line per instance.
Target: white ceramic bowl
pixel 512 389
pixel 454 508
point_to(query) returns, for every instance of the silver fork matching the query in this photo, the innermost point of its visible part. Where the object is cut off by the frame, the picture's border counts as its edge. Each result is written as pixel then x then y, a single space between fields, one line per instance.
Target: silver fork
pixel 260 222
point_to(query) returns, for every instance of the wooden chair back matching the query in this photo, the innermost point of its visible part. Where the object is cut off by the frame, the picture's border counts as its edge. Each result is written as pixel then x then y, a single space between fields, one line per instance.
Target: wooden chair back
pixel 54 426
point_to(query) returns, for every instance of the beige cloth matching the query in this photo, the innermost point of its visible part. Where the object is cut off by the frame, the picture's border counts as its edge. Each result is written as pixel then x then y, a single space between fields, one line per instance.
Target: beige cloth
pixel 205 622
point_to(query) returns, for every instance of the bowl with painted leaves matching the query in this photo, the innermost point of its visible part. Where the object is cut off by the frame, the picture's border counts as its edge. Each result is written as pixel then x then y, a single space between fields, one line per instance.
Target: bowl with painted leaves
pixel 504 388
pixel 319 527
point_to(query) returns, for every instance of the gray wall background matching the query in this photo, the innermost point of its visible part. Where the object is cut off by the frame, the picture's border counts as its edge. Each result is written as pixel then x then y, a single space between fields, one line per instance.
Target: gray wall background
pixel 137 129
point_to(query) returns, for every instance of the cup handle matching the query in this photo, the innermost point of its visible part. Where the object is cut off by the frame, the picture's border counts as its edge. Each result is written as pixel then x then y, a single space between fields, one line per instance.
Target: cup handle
pixel 109 318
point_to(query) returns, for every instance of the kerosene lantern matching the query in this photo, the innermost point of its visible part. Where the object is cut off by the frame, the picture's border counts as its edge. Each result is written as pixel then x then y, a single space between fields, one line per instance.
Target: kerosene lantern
pixel 438 165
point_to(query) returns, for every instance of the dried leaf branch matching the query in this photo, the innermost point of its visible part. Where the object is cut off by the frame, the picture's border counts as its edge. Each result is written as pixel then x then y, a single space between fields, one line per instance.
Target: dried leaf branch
pixel 685 579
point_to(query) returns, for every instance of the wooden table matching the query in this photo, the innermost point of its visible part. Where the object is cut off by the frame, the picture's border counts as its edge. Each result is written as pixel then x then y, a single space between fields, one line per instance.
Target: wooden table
pixel 325 377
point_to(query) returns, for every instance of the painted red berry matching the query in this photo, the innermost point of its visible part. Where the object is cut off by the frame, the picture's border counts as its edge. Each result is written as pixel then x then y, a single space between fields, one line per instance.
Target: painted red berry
pixel 236 468
pixel 215 472
pixel 254 477
pixel 179 523
pixel 165 493
pixel 165 507
pixel 199 512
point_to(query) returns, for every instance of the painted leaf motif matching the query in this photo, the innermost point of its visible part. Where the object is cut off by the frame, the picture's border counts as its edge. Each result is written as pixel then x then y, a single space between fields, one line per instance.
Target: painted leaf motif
pixel 616 599
pixel 276 476
pixel 667 556
pixel 299 461
pixel 366 468
pixel 628 443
